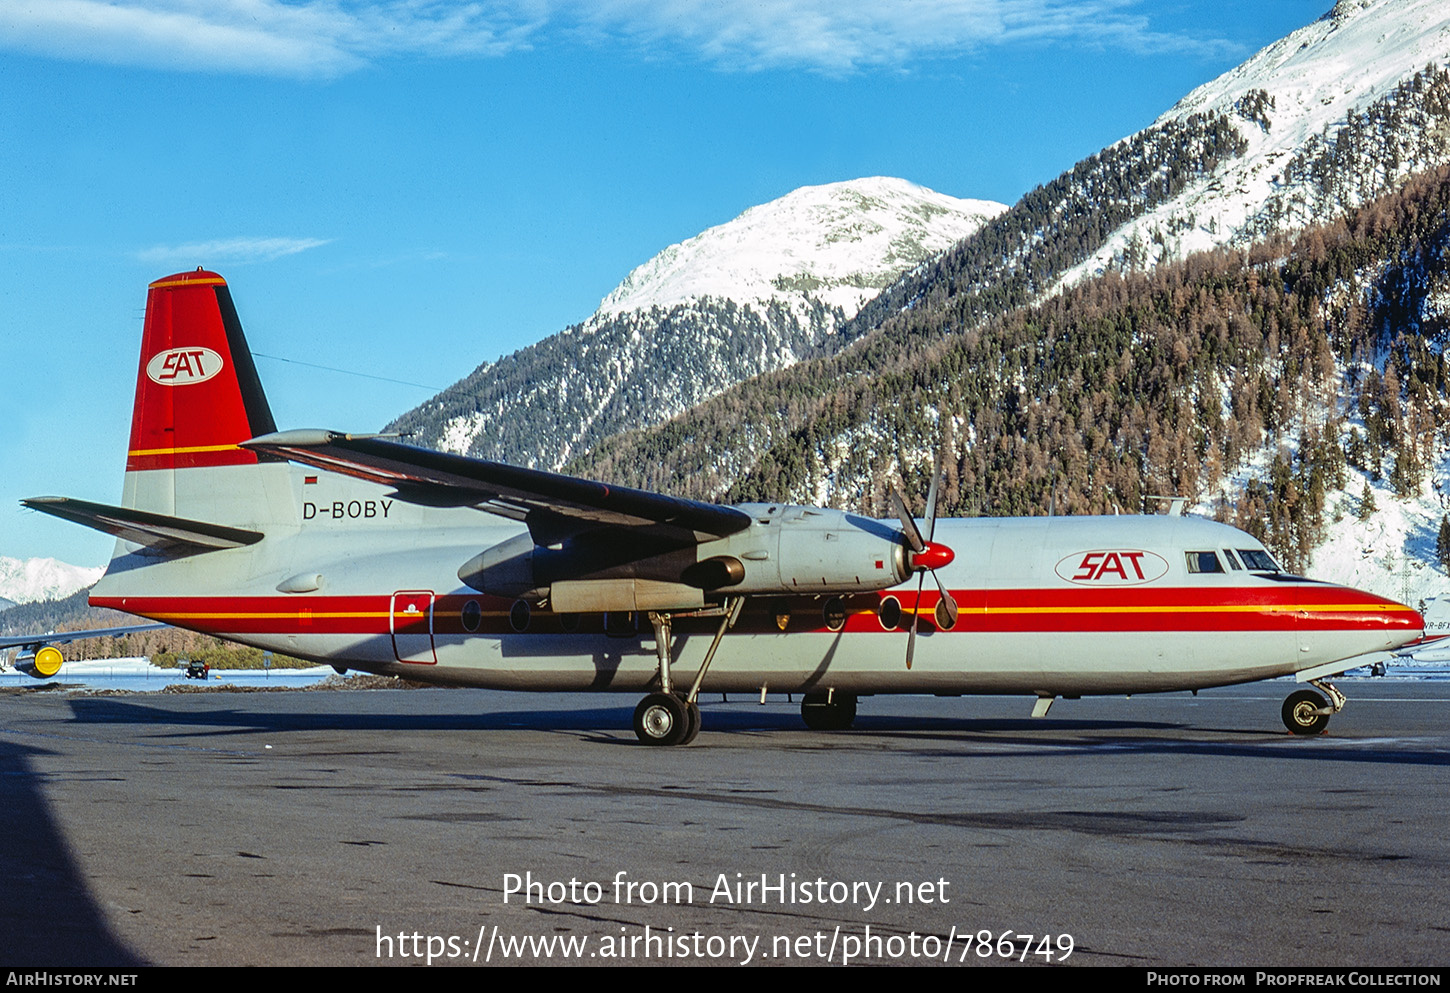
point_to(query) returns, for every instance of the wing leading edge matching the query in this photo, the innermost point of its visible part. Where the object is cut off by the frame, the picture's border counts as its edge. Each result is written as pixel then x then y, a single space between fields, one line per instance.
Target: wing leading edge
pixel 555 507
pixel 65 637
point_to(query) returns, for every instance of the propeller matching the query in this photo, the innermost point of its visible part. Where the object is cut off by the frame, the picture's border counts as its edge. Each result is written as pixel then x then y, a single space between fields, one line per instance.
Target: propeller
pixel 926 556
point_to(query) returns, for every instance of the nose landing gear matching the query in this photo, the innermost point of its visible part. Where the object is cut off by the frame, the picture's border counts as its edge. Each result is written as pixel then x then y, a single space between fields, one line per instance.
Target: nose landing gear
pixel 1306 712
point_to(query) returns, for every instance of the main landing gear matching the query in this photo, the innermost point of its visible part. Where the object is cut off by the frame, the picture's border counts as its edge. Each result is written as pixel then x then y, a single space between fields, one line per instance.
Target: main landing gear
pixel 670 717
pixel 1306 712
pixel 666 719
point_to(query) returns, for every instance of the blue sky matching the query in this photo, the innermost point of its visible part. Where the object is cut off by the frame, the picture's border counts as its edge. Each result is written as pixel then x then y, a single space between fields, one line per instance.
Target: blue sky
pixel 406 188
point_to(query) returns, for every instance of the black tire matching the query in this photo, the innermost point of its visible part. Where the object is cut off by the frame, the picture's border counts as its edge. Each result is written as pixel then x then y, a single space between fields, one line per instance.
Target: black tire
pixel 837 715
pixel 1299 712
pixel 661 719
pixel 693 716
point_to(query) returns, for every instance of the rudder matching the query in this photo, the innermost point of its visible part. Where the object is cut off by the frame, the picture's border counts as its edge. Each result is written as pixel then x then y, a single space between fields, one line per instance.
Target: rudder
pixel 197 390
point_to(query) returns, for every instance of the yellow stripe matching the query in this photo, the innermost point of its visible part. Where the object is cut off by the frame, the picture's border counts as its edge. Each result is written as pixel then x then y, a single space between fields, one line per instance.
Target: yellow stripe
pixel 162 284
pixel 181 451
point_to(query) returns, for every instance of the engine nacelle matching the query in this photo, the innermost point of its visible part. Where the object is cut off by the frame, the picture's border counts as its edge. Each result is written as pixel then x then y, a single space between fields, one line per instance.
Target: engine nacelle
pixel 809 550
pixel 785 550
pixel 505 570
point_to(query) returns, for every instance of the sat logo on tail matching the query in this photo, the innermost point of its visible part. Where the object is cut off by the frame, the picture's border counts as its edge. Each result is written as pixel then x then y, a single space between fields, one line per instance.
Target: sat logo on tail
pixel 183 366
pixel 1112 567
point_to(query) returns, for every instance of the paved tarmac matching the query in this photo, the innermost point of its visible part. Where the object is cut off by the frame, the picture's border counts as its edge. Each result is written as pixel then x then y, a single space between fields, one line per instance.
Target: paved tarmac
pixel 357 828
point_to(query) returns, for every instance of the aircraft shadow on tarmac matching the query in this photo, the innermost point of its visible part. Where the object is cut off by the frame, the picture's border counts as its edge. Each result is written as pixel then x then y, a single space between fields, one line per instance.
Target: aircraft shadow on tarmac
pixel 606 725
pixel 718 718
pixel 54 921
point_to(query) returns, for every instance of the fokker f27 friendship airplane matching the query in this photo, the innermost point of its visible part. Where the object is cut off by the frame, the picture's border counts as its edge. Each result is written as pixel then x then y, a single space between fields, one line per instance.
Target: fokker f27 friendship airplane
pixel 366 553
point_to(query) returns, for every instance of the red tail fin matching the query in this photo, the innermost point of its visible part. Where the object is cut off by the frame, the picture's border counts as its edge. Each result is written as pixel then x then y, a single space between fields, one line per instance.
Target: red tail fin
pixel 197 391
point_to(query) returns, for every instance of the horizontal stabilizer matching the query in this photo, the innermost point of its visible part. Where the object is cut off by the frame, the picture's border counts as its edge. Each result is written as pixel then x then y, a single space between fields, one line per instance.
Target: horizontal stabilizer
pixel 163 534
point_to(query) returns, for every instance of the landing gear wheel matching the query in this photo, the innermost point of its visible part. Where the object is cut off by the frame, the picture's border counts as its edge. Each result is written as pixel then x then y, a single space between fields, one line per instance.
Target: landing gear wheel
pixel 1302 712
pixel 836 715
pixel 692 714
pixel 661 719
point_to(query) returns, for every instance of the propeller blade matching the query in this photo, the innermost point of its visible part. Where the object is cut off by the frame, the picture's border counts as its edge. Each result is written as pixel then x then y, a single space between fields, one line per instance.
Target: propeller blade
pixel 915 620
pixel 926 556
pixel 931 504
pixel 908 524
pixel 946 607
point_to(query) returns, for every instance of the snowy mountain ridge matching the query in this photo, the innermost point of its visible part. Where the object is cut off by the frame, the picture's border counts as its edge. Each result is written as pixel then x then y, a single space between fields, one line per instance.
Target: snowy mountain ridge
pixel 1292 98
pixel 27 580
pixel 752 295
pixel 840 243
pixel 1334 116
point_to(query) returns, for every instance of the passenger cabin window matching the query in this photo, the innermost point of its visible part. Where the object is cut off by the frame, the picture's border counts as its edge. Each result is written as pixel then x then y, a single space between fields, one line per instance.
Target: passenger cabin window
pixel 1203 562
pixel 1258 560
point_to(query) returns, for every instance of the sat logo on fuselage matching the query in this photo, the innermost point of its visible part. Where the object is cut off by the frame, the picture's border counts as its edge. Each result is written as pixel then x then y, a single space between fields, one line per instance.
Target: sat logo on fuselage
pixel 183 366
pixel 1112 567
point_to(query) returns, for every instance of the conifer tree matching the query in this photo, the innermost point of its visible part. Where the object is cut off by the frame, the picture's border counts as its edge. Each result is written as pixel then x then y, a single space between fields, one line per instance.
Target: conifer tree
pixel 1366 502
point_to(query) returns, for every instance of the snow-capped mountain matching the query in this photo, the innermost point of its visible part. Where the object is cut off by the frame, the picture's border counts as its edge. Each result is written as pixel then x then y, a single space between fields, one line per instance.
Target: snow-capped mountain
pixel 754 294
pixel 840 244
pixel 1335 116
pixel 24 581
pixel 1330 120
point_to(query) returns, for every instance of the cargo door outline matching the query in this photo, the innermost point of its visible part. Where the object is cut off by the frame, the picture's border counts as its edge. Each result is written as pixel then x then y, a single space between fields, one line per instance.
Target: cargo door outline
pixel 410 621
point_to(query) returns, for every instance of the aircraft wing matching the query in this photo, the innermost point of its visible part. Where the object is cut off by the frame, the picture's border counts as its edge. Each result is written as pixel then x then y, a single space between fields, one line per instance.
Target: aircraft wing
pixel 64 637
pixel 554 506
pixel 1435 648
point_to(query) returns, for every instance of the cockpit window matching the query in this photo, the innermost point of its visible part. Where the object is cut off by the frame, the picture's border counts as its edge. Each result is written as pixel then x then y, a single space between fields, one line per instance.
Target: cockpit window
pixel 1233 562
pixel 1258 560
pixel 1203 562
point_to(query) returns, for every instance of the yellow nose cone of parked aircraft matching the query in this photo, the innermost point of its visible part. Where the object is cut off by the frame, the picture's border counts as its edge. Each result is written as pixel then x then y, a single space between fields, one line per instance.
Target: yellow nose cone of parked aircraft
pixel 47 662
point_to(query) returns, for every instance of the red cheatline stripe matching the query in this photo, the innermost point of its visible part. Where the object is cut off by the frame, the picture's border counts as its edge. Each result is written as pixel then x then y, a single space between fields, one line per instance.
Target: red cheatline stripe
pixel 1307 607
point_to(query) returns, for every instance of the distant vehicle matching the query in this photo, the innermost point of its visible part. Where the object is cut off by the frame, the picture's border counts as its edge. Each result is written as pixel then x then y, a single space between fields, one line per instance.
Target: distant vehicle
pixel 362 552
pixel 197 670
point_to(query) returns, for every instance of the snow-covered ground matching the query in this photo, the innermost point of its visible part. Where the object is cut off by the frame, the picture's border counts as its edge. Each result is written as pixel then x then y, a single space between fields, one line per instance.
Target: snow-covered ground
pixel 1392 553
pixel 140 675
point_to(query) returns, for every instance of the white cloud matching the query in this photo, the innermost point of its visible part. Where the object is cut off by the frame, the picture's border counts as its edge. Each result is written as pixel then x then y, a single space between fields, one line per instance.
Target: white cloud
pixel 228 250
pixel 325 38
pixel 309 38
pixel 846 35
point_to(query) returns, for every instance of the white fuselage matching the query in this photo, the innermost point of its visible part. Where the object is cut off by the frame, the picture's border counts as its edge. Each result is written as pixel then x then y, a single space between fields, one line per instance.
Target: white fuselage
pixel 350 574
